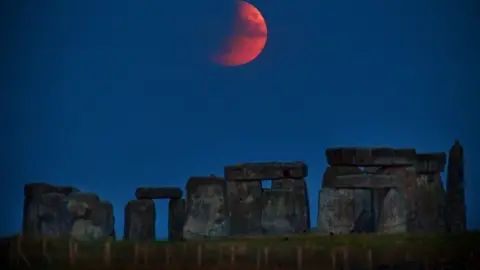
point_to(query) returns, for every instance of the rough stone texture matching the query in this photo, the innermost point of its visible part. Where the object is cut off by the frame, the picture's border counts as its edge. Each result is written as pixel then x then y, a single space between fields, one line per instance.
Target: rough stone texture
pixel 158 193
pixel 85 205
pixel 350 156
pixel 264 171
pixel 336 213
pixel 428 163
pixel 245 204
pixel 363 211
pixel 455 197
pixel 364 181
pixel 278 209
pixel 108 220
pixel 176 219
pixel 42 214
pixel 140 220
pixel 207 211
pixel 301 213
pixel 393 214
pixel 431 207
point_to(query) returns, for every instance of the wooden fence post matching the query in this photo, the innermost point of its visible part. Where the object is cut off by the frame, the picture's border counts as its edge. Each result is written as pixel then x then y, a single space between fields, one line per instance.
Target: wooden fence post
pixel 44 250
pixel 19 251
pixel 232 255
pixel 107 253
pixel 71 251
pixel 299 257
pixel 265 253
pixel 135 254
pixel 199 255
pixel 259 255
pixel 167 255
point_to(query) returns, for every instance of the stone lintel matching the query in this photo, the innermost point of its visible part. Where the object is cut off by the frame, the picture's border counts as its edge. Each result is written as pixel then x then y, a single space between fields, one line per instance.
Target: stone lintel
pixel 266 171
pixel 365 181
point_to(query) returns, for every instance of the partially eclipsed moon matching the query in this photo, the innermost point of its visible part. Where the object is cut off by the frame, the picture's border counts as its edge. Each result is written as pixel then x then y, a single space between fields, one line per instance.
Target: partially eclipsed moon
pixel 247 40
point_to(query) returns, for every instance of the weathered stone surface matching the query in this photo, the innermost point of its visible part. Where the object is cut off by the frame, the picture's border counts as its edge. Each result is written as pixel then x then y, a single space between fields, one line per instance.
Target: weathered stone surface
pixel 365 181
pixel 108 220
pixel 264 171
pixel 84 230
pixel 430 197
pixel 455 197
pixel 336 213
pixel 140 220
pixel 393 216
pixel 301 213
pixel 176 219
pixel 158 193
pixel 207 211
pixel 430 163
pixel 85 205
pixel 350 156
pixel 363 211
pixel 33 223
pixel 54 219
pixel 278 210
pixel 245 205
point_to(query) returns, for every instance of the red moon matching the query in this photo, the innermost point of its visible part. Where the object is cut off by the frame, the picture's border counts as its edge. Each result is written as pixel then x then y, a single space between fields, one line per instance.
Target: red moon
pixel 247 40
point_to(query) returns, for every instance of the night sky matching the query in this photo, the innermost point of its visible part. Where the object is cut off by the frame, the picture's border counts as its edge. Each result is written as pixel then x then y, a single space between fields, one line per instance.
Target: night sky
pixel 111 95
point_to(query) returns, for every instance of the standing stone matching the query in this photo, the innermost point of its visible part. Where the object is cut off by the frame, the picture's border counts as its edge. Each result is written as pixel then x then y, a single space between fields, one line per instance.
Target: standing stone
pixel 54 219
pixel 176 219
pixel 277 214
pixel 455 197
pixel 245 205
pixel 363 211
pixel 301 213
pixel 84 207
pixel 140 221
pixel 107 219
pixel 336 213
pixel 393 216
pixel 207 213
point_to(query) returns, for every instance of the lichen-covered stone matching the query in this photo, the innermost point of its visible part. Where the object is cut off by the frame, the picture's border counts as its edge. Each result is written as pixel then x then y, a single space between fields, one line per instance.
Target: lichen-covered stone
pixel 176 219
pixel 301 213
pixel 266 170
pixel 54 219
pixel 140 221
pixel 278 210
pixel 363 211
pixel 85 205
pixel 158 193
pixel 336 211
pixel 84 230
pixel 245 205
pixel 206 206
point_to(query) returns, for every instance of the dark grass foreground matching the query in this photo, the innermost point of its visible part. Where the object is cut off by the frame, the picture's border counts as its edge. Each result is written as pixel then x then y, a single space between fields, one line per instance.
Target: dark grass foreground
pixel 348 252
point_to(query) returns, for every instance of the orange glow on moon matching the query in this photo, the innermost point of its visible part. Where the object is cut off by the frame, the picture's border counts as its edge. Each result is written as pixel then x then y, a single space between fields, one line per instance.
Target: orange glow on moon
pixel 247 40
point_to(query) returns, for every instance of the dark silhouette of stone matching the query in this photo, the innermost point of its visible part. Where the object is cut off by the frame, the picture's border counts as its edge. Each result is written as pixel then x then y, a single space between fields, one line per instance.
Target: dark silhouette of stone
pixel 206 206
pixel 301 209
pixel 140 221
pixel 245 205
pixel 158 193
pixel 107 219
pixel 41 214
pixel 455 195
pixel 350 156
pixel 176 219
pixel 429 163
pixel 266 170
pixel 277 212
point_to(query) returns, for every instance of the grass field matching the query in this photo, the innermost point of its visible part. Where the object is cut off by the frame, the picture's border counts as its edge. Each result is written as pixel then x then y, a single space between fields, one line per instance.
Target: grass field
pixel 309 251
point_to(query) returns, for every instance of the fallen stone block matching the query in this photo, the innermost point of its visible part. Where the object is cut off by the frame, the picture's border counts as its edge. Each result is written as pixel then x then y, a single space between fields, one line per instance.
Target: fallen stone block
pixel 140 221
pixel 277 212
pixel 430 163
pixel 363 157
pixel 266 171
pixel 176 219
pixel 365 181
pixel 158 193
pixel 207 213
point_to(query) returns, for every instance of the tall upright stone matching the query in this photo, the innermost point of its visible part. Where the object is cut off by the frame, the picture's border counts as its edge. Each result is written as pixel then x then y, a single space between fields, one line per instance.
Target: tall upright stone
pixel 207 213
pixel 176 219
pixel 140 220
pixel 278 212
pixel 301 208
pixel 455 197
pixel 245 205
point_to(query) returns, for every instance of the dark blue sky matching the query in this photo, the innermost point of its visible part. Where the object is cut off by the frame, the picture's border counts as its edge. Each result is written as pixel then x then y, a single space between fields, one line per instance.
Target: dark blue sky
pixel 110 95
